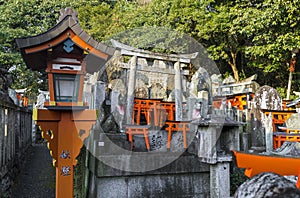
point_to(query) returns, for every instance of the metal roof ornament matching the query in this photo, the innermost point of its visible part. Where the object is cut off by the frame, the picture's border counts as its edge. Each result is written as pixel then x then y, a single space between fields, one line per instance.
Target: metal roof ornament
pixel 68 45
pixel 67 12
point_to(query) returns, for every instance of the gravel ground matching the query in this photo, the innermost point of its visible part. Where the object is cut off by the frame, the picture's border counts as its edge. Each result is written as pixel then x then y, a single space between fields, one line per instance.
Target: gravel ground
pixel 37 176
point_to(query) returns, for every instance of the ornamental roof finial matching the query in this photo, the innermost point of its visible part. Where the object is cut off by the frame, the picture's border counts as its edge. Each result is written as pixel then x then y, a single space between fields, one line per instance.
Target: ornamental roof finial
pixel 68 12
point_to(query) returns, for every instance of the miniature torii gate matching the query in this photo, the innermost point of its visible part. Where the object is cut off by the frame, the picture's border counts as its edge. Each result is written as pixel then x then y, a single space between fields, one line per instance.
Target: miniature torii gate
pixel 133 67
pixel 256 163
pixel 62 51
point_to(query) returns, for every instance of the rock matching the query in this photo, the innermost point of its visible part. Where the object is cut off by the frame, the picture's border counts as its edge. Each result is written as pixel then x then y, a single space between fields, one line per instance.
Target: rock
pixel 158 91
pixel 141 89
pixel 266 185
pixel 228 80
pixel 109 124
pixel 288 149
pixel 293 122
pixel 118 85
pixel 249 79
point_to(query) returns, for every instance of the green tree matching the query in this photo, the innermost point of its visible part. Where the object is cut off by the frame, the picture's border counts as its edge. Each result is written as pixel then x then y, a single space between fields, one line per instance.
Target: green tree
pixel 95 18
pixel 243 36
pixel 209 22
pixel 20 18
pixel 246 36
pixel 274 32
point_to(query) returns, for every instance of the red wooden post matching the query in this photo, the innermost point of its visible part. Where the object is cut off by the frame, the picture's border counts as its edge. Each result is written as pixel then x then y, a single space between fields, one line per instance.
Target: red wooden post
pixel 67 131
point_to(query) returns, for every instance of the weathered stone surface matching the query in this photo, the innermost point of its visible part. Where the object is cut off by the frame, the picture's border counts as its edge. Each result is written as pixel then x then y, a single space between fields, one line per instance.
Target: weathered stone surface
pixel 293 121
pixel 184 177
pixel 267 185
pixel 113 67
pixel 109 124
pixel 216 81
pixel 159 63
pixel 153 78
pixel 141 89
pixel 217 136
pixel 165 185
pixel 118 85
pixel 158 91
pixel 229 86
pixel 268 98
pixel 98 99
pixel 220 180
pixel 131 89
pixel 142 62
pixel 288 149
pixel 40 101
pixel 229 80
pixel 268 132
pixel 13 96
pixel 200 82
pixel 178 92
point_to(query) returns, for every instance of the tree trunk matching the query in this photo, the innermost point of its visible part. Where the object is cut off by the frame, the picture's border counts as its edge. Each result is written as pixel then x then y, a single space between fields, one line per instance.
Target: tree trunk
pixel 233 66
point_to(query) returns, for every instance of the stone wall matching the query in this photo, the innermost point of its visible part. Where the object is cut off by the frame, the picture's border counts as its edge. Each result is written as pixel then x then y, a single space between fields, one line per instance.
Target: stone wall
pixel 15 137
pixel 185 177
pixel 115 171
pixel 167 185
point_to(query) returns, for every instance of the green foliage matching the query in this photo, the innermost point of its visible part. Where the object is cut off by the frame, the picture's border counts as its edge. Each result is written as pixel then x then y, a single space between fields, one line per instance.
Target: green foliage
pixel 95 18
pixel 244 37
pixel 237 178
pixel 156 39
pixel 273 27
pixel 20 19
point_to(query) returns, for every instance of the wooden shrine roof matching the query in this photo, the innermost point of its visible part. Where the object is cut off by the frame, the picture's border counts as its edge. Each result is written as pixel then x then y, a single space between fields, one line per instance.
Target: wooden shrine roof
pixel 34 49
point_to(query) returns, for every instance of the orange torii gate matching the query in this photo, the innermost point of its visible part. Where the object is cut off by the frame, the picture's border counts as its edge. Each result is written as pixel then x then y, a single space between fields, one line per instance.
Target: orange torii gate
pixel 255 164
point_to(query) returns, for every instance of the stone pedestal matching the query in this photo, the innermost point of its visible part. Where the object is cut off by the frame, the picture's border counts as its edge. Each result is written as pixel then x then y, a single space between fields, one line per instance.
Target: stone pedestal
pixel 219 179
pixel 218 135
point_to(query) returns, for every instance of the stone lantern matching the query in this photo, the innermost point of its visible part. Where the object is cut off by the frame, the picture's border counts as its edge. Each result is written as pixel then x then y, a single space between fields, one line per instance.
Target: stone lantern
pixel 66 52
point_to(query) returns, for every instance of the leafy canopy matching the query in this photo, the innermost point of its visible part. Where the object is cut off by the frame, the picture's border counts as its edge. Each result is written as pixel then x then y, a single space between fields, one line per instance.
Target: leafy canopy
pixel 244 37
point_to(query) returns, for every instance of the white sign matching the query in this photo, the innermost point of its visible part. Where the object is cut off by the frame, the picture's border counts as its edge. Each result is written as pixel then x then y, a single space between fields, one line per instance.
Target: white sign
pixel 66 67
